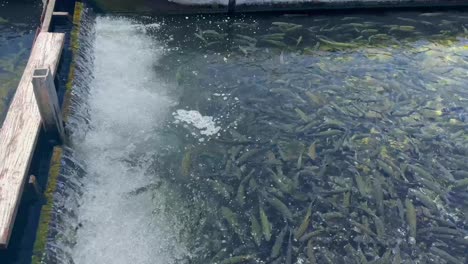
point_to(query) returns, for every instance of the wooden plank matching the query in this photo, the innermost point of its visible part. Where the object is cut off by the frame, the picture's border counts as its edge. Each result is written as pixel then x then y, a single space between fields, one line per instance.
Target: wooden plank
pixel 48 16
pixel 20 130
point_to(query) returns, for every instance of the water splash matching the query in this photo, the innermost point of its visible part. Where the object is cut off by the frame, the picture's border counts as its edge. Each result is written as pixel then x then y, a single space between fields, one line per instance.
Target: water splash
pixel 127 101
pixel 104 212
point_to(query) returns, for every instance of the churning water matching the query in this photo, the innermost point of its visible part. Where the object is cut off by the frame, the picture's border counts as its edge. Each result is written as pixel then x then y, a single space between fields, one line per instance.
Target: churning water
pixel 276 139
pixel 104 211
pixel 127 101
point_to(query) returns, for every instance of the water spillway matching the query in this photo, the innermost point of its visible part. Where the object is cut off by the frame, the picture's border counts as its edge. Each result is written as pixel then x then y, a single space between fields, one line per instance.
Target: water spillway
pixel 124 111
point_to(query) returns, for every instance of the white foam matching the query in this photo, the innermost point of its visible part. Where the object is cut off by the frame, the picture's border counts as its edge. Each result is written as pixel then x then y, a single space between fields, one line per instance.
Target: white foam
pixel 127 102
pixel 205 124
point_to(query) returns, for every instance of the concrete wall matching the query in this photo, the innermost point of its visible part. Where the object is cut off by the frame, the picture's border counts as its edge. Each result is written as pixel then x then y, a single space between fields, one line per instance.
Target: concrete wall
pixel 221 6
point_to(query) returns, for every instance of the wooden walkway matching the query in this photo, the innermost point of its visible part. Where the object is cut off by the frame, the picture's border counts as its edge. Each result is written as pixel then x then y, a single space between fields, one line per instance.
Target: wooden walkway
pixel 21 127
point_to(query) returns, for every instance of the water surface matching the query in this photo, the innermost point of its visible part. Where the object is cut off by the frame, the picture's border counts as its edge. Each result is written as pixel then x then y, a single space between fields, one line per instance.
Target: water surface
pixel 274 139
pixel 18 23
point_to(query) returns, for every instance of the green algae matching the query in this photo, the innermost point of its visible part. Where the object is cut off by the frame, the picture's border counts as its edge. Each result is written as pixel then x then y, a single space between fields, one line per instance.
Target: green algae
pixel 47 209
pixel 75 45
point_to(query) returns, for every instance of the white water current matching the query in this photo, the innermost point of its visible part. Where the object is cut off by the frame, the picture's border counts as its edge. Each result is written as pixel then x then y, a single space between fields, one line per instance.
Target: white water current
pixel 127 102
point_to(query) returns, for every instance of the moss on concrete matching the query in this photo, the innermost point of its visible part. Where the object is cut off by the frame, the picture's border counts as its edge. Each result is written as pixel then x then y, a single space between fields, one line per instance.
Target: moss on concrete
pixel 47 209
pixel 74 45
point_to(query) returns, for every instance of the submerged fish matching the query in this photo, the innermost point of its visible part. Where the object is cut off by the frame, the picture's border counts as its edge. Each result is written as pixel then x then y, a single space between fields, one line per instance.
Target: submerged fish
pixel 266 225
pixel 275 251
pixel 411 219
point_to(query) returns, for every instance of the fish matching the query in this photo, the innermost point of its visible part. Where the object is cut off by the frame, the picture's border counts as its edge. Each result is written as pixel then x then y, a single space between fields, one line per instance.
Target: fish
pixel 221 188
pixel 302 115
pixel 332 215
pixel 385 168
pixel 187 163
pixel 329 132
pixel 249 153
pixel 378 195
pixel 431 14
pixel 312 234
pixel 363 228
pixel 315 99
pixel 360 184
pixel 284 24
pixel 213 33
pixel 305 223
pixel 402 28
pixel 289 249
pixel 299 164
pixel 276 249
pixel 411 219
pixel 238 259
pixel 232 220
pixel 378 36
pixel 280 206
pixel 312 151
pixel 140 190
pixel 256 230
pixel 445 256
pixel 459 184
pixel 276 43
pixel 420 172
pixel 347 200
pixel 274 36
pixel 3 20
pixel 379 228
pixel 440 230
pixel 253 185
pixel 336 44
pixel 240 196
pixel 200 36
pixel 266 225
pixel 298 41
pixel 290 28
pixel 352 253
pixel 422 198
pixel 247 38
pixel 369 31
pixel 283 183
pixel 310 253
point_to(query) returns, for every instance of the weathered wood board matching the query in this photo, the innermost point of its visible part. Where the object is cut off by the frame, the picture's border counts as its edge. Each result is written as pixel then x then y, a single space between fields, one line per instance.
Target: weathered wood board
pixel 20 130
pixel 48 16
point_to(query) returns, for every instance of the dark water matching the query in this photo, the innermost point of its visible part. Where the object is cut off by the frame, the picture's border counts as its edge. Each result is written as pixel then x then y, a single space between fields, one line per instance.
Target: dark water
pixel 272 139
pixel 18 23
pixel 338 139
